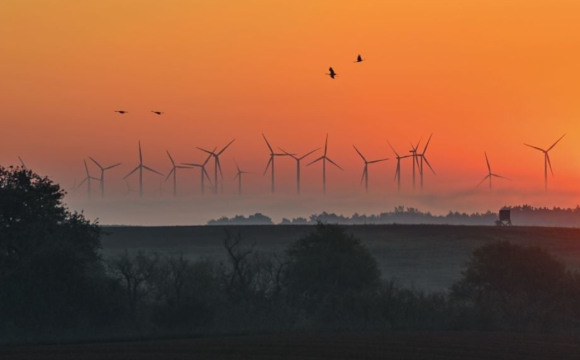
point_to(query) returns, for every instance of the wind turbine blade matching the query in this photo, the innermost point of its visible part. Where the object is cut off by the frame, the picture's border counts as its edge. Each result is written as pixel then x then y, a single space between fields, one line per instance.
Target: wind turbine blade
pixel 379 160
pixel 303 156
pixel 170 158
pixel 168 175
pixel 326 145
pixel 207 177
pixel 535 147
pixel 227 146
pixel 427 145
pixel 95 161
pixel 129 174
pixel 363 175
pixel 551 147
pixel 238 174
pixel 22 163
pixel 397 172
pixel 485 178
pixel 192 165
pixel 549 163
pixel 112 166
pixel 94 178
pixel 335 164
pixel 82 182
pixel 361 155
pixel 86 168
pixel 208 157
pixel 140 154
pixel 267 143
pixel 268 165
pixel 320 158
pixel 155 171
pixel 487 161
pixel 219 165
pixel 392 148
pixel 237 166
pixel 427 162
pixel 286 153
pixel 207 151
pixel 501 177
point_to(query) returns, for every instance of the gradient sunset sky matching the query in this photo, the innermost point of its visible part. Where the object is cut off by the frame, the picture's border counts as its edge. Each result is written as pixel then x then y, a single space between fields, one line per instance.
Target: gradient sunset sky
pixel 481 75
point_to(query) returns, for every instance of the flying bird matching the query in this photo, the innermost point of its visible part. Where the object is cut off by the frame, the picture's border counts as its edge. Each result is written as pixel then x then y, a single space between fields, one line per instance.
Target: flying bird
pixel 331 73
pixel 121 111
pixel 359 59
pixel 157 112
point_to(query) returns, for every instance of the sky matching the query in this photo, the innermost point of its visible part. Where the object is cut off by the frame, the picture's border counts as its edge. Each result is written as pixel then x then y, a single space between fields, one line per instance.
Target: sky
pixel 482 76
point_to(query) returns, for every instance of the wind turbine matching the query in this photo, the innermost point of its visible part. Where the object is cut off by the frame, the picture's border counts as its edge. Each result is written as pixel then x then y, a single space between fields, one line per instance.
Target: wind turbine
pixel 365 174
pixel 298 159
pixel 398 171
pixel 547 161
pixel 424 158
pixel 140 167
pixel 490 174
pixel 88 179
pixel 239 177
pixel 271 162
pixel 325 158
pixel 103 169
pixel 415 156
pixel 217 166
pixel 174 172
pixel 203 172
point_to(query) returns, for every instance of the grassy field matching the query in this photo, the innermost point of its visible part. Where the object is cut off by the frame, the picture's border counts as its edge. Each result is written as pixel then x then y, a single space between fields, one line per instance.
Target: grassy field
pixel 429 257
pixel 416 346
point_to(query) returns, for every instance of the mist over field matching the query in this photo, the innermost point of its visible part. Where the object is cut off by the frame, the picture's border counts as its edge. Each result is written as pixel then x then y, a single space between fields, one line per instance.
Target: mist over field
pixel 165 210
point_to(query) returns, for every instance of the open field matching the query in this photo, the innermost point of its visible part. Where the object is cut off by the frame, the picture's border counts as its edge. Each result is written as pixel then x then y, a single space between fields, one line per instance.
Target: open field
pixel 416 346
pixel 429 257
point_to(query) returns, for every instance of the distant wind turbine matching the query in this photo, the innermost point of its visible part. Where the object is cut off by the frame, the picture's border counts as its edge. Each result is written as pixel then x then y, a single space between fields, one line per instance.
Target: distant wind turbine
pixel 129 190
pixel 547 162
pixel 298 159
pixel 203 171
pixel 415 156
pixel 271 163
pixel 423 158
pixel 217 165
pixel 490 174
pixel 103 169
pixel 239 177
pixel 174 172
pixel 140 167
pixel 365 174
pixel 88 179
pixel 398 171
pixel 325 158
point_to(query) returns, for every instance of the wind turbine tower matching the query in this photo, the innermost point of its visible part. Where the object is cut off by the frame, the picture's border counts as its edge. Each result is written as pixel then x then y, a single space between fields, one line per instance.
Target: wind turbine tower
pixel 298 160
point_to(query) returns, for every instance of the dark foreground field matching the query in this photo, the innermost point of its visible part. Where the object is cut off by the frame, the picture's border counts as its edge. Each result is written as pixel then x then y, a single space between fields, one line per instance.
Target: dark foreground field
pixel 439 345
pixel 429 257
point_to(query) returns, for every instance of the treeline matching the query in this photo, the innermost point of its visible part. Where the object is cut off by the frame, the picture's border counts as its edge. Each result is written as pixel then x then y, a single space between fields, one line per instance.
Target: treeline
pixel 524 215
pixel 55 287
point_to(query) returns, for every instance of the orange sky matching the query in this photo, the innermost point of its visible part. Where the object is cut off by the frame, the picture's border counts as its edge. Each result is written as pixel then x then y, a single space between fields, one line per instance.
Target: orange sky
pixel 482 75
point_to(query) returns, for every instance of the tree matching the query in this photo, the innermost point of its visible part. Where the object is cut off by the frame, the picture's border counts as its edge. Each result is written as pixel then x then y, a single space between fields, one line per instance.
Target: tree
pixel 50 269
pixel 507 285
pixel 331 274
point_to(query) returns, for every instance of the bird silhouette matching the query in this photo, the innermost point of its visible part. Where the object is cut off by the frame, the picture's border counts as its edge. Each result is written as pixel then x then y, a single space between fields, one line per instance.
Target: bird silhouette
pixel 359 59
pixel 121 111
pixel 157 112
pixel 331 73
